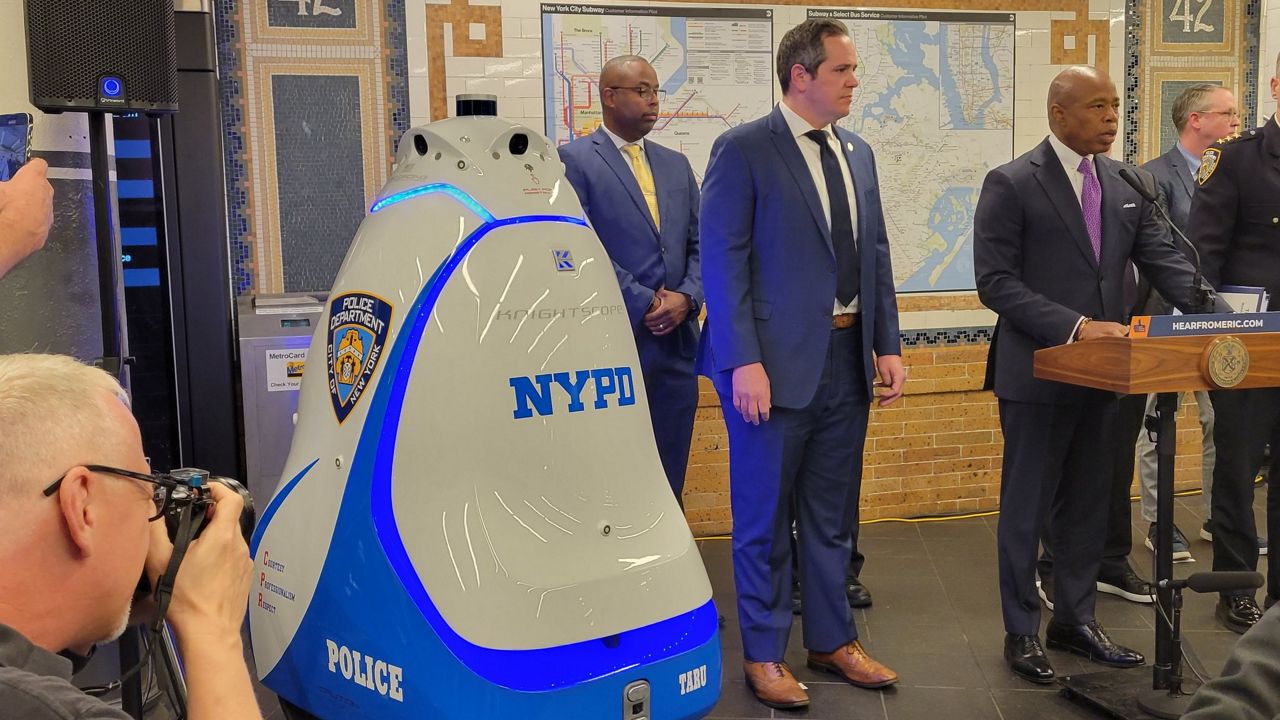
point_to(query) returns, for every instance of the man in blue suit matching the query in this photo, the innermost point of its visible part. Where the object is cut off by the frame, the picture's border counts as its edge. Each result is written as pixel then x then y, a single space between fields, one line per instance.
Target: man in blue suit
pixel 642 200
pixel 800 293
pixel 1053 232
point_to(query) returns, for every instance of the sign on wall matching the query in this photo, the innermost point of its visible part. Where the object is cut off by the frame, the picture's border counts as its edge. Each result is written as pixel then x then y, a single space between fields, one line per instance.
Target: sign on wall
pixel 714 65
pixel 936 104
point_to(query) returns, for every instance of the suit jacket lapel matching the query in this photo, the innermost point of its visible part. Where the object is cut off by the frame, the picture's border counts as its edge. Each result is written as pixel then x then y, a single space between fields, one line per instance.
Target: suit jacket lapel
pixel 1180 169
pixel 791 157
pixel 663 183
pixel 612 157
pixel 1053 179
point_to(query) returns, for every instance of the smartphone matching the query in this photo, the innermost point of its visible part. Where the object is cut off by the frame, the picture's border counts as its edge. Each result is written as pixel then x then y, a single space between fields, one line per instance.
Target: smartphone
pixel 15 143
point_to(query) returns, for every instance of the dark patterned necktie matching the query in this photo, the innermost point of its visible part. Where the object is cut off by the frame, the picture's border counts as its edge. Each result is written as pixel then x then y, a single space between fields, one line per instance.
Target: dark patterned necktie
pixel 1091 204
pixel 848 282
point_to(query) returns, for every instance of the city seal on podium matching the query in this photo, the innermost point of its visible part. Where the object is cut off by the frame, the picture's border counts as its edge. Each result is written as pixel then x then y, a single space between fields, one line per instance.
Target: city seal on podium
pixel 1225 362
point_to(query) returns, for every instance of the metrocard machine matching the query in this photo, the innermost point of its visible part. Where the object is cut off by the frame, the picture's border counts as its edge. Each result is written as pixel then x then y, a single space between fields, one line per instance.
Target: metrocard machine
pixel 473 521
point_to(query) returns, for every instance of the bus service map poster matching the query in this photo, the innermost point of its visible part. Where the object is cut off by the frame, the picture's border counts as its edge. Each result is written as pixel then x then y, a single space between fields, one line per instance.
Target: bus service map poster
pixel 936 105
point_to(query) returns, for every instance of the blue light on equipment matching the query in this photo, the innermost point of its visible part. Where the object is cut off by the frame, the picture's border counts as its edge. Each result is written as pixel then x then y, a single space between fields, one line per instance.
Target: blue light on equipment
pixel 111 86
pixel 430 189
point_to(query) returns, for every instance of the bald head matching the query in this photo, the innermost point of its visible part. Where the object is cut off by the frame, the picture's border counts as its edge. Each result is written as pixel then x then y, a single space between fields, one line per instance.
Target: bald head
pixel 1084 109
pixel 629 96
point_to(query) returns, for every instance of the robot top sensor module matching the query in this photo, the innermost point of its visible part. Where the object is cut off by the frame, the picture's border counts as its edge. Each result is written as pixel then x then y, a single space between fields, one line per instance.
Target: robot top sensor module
pixel 473 521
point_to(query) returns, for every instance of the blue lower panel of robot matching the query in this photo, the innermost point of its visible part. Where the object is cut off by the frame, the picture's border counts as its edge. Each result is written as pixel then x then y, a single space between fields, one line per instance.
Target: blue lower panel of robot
pixel 342 664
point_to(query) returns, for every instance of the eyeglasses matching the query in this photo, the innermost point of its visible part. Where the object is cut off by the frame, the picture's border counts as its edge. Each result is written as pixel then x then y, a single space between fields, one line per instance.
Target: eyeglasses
pixel 645 92
pixel 164 487
pixel 1228 113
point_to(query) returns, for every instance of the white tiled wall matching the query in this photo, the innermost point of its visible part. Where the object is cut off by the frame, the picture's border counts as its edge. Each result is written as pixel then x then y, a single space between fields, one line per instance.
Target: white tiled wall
pixel 516 78
pixel 1269 48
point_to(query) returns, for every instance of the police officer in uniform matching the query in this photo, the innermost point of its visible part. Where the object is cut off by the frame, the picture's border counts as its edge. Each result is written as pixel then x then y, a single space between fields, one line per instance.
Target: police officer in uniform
pixel 1235 223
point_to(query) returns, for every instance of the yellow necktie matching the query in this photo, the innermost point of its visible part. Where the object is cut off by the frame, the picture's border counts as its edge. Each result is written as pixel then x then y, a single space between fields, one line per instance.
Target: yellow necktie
pixel 645 178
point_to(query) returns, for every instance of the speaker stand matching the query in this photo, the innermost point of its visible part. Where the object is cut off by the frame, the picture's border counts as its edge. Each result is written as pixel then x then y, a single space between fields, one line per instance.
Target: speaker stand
pixel 1119 692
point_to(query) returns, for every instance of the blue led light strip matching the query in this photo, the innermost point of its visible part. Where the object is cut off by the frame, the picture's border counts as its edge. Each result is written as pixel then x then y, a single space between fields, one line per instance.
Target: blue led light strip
pixel 523 670
pixel 462 197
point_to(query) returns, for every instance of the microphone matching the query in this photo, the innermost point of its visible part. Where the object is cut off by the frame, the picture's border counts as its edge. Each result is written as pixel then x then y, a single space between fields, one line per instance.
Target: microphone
pixel 1199 296
pixel 1212 582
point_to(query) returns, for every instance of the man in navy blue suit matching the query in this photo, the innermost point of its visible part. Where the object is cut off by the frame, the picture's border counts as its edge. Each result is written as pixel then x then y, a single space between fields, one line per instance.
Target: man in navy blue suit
pixel 642 200
pixel 800 293
pixel 1053 232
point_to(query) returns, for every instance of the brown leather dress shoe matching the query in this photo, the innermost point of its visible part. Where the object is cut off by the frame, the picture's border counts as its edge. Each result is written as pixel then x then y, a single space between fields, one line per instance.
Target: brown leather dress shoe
pixel 853 664
pixel 774 685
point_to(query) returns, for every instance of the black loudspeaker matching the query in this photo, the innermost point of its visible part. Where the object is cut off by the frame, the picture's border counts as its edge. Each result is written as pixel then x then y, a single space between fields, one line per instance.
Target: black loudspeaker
pixel 102 55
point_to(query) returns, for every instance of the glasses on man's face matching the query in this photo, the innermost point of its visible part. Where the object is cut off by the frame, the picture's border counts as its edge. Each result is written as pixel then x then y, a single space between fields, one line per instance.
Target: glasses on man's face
pixel 161 494
pixel 1227 113
pixel 644 91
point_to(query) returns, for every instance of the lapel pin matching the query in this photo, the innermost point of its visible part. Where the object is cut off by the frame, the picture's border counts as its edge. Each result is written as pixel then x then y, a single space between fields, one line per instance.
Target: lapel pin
pixel 849 146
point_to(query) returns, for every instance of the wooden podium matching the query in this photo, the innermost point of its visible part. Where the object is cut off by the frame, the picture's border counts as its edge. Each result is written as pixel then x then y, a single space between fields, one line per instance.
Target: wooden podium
pixel 1166 366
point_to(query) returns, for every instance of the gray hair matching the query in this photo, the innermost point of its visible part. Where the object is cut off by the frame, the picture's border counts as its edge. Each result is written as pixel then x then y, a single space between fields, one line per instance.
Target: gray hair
pixel 1194 98
pixel 53 418
pixel 803 45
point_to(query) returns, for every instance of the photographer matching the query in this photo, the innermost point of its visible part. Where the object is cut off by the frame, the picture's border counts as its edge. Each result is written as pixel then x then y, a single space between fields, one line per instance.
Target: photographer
pixel 26 213
pixel 71 555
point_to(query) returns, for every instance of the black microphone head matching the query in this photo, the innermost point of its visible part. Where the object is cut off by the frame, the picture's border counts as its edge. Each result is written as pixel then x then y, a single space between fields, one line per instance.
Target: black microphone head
pixel 1207 582
pixel 1130 177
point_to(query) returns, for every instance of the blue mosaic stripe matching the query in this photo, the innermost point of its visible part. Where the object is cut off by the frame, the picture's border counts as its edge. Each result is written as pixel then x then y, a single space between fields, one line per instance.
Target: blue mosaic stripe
pixel 943 337
pixel 231 99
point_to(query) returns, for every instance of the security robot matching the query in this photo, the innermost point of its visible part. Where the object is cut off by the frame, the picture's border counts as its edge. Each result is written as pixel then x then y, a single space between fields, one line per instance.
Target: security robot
pixel 473 521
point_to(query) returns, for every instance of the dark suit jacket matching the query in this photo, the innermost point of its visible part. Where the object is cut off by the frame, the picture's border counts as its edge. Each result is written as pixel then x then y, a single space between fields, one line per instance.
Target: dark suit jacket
pixel 1035 266
pixel 644 258
pixel 1176 186
pixel 1235 215
pixel 770 270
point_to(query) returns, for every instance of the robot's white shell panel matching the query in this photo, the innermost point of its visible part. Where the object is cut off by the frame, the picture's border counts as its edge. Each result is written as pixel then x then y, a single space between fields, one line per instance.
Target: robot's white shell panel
pixel 529 493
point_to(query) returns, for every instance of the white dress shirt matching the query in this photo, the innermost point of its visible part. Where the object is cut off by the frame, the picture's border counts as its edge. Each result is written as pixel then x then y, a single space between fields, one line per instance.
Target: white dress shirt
pixel 1070 160
pixel 813 159
pixel 620 143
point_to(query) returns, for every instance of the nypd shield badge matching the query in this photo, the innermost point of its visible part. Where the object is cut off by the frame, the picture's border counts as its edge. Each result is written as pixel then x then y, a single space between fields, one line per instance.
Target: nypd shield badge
pixel 1208 163
pixel 358 326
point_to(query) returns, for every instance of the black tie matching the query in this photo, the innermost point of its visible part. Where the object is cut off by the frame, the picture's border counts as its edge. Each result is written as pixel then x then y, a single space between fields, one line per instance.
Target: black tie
pixel 847 281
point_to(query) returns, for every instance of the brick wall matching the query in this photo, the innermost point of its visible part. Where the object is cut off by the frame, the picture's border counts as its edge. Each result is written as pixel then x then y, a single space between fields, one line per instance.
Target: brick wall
pixel 936 451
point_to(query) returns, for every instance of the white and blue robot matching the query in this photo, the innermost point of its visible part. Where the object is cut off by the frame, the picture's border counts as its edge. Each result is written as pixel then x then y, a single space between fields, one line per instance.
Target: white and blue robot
pixel 473 520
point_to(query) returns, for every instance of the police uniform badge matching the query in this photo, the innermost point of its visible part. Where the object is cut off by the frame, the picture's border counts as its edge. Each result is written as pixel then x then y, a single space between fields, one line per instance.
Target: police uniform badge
pixel 357 335
pixel 1208 163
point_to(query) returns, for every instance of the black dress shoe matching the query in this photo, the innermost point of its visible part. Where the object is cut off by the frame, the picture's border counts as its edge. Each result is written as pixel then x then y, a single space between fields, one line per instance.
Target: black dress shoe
pixel 858 594
pixel 1238 612
pixel 1091 641
pixel 1027 659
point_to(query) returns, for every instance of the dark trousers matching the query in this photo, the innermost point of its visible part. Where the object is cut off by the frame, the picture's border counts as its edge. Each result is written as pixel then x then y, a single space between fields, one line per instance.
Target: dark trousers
pixel 810 459
pixel 1244 422
pixel 671 387
pixel 1119 540
pixel 1051 478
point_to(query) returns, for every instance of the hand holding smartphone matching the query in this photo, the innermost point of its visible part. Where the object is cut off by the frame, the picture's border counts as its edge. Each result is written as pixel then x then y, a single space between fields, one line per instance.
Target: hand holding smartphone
pixel 15 143
pixel 26 197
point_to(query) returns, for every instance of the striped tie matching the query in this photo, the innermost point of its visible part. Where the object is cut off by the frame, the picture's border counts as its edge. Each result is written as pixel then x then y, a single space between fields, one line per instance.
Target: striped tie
pixel 645 178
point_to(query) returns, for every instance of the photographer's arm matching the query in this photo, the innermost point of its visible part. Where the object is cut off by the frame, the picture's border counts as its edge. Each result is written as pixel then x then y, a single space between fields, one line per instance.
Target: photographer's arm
pixel 26 214
pixel 210 596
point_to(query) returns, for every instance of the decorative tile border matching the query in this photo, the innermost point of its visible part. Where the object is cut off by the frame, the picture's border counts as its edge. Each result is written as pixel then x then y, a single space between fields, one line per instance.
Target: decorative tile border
pixel 943 337
pixel 253 44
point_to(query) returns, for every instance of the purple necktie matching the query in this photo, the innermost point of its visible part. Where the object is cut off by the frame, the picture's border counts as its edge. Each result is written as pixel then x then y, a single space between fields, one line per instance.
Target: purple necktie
pixel 1091 204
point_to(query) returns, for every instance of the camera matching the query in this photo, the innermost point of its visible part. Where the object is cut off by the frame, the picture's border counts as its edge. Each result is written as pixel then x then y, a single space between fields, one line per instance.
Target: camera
pixel 191 489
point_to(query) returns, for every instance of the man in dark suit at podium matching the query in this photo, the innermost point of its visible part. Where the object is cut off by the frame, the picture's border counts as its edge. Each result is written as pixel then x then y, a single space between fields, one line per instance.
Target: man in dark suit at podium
pixel 1053 232
pixel 1235 223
